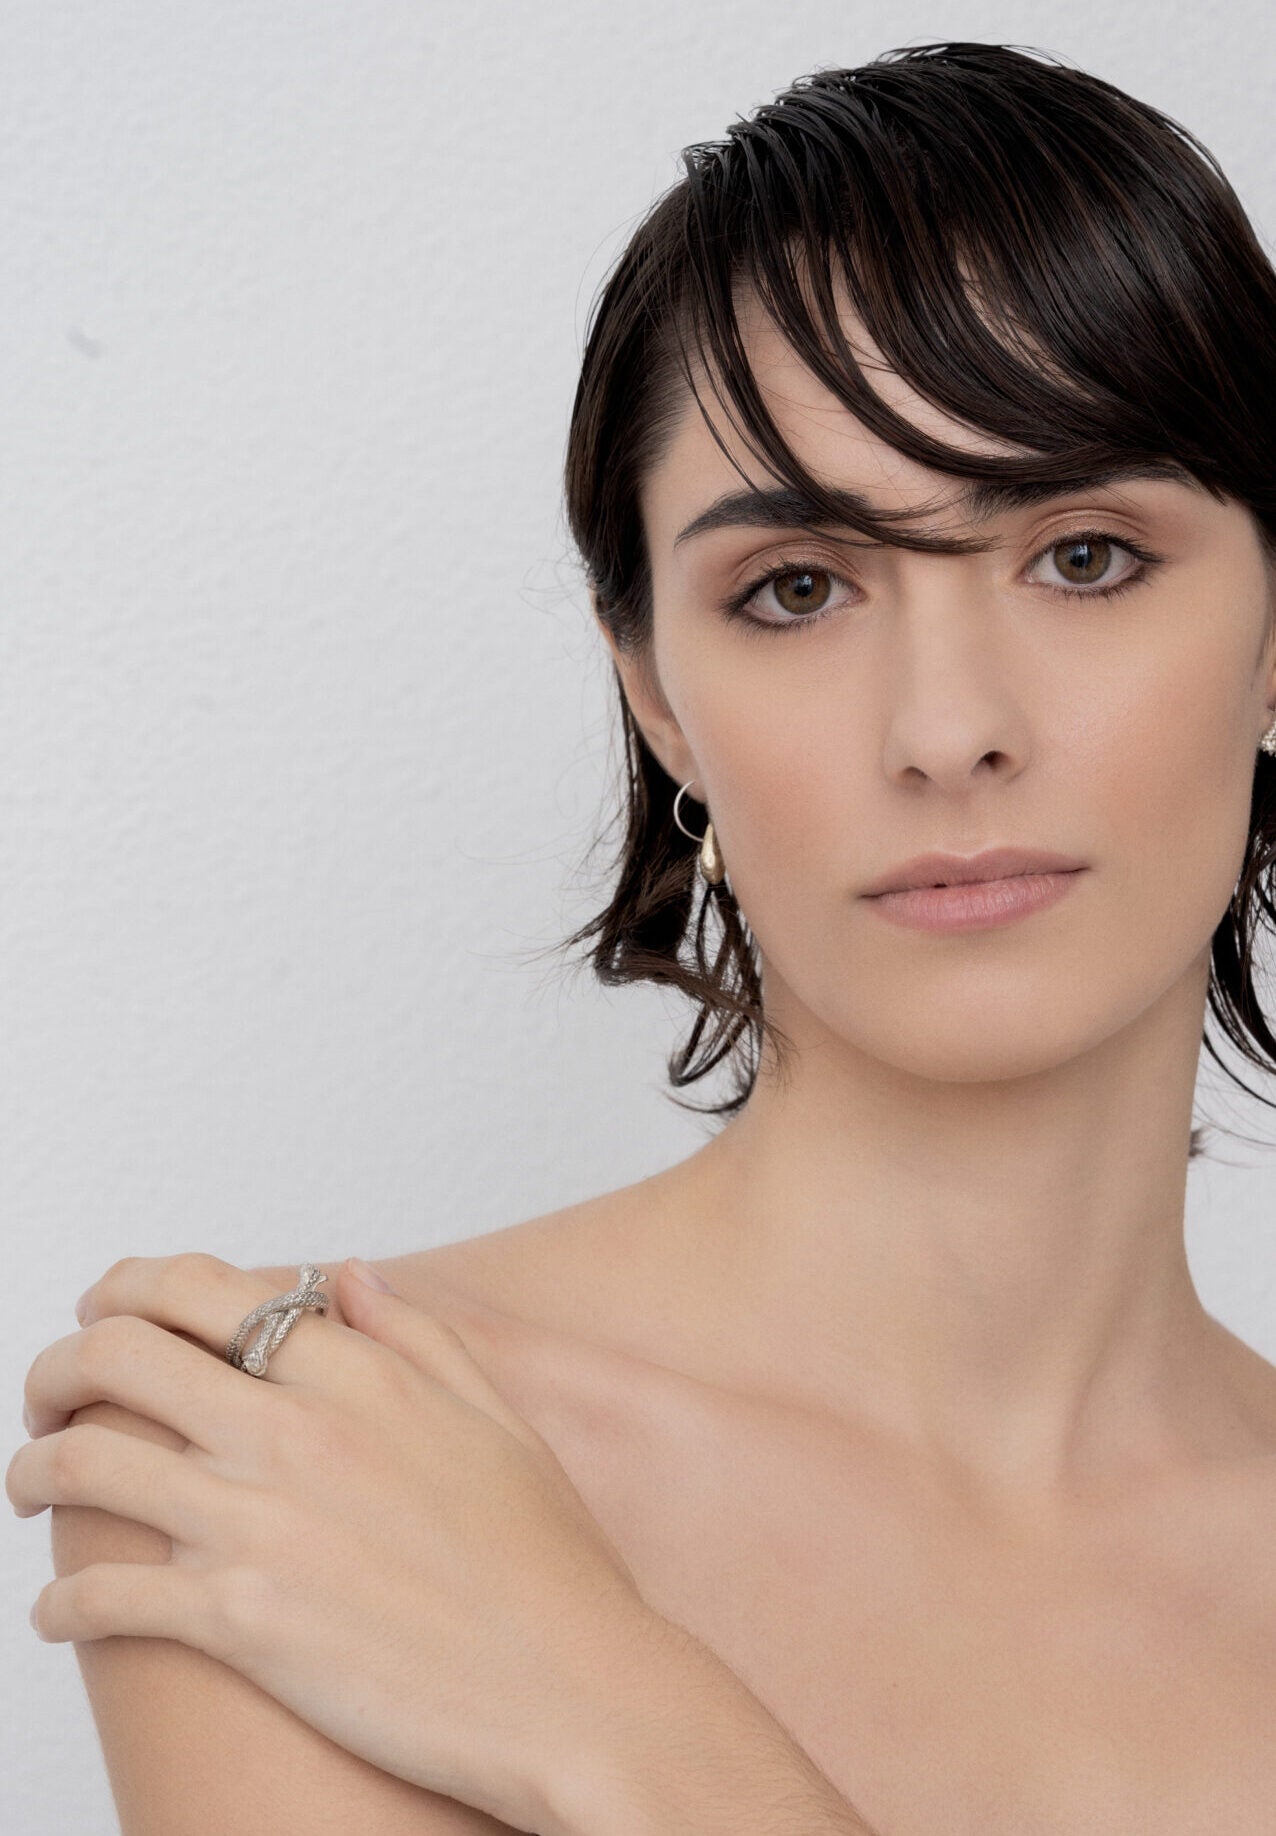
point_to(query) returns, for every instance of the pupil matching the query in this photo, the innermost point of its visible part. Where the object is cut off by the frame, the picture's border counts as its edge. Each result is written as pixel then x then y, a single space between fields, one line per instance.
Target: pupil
pixel 801 588
pixel 1088 560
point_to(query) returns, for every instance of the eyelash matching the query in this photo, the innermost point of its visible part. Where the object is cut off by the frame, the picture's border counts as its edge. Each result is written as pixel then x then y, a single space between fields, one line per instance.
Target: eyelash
pixel 734 607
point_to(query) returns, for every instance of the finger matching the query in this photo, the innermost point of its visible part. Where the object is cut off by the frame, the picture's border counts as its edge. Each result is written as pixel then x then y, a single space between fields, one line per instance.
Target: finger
pixel 432 1345
pixel 89 1464
pixel 133 1599
pixel 153 1372
pixel 206 1298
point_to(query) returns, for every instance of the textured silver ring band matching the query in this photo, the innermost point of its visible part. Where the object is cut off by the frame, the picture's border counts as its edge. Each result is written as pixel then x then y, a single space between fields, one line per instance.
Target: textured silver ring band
pixel 281 1314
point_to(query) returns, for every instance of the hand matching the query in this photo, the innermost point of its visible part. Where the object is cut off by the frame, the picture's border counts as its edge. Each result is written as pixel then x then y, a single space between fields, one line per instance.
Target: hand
pixel 368 1531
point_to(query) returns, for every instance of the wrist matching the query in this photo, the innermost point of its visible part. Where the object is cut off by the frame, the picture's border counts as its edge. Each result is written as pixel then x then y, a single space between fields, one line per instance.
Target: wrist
pixel 680 1743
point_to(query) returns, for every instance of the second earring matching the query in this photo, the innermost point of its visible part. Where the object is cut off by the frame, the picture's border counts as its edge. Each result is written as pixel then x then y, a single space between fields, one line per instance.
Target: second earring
pixel 712 866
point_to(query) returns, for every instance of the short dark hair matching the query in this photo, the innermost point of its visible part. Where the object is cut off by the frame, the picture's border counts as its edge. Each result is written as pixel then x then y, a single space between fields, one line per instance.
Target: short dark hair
pixel 1048 260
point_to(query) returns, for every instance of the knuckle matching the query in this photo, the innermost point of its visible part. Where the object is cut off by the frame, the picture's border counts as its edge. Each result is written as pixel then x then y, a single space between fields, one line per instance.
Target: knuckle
pixel 119 1330
pixel 70 1458
pixel 176 1278
pixel 39 1606
pixel 33 1382
pixel 120 1278
pixel 124 1265
pixel 103 1343
pixel 100 1411
pixel 201 1264
pixel 13 1468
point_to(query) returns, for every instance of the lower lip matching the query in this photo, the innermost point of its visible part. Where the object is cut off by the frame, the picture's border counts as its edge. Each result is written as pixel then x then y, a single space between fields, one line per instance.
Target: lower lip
pixel 976 906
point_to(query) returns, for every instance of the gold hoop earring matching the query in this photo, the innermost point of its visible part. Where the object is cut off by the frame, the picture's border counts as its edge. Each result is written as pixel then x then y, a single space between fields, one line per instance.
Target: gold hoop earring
pixel 712 866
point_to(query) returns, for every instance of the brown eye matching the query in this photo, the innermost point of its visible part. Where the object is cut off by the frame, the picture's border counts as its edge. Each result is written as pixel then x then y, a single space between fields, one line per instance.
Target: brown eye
pixel 1082 560
pixel 801 590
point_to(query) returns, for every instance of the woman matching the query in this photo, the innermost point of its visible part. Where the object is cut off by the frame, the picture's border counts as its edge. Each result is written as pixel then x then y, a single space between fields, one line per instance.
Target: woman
pixel 922 467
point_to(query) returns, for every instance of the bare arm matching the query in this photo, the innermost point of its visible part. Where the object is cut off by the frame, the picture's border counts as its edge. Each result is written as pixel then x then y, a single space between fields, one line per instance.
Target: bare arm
pixel 689 1748
pixel 191 1746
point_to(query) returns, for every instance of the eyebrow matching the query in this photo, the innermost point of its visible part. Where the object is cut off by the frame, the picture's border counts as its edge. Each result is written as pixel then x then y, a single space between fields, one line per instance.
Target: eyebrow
pixel 781 507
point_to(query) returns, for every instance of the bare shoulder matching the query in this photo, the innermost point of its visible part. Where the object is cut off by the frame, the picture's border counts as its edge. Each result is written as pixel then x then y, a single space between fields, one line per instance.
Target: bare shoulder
pixel 517 1272
pixel 582 1317
pixel 601 1270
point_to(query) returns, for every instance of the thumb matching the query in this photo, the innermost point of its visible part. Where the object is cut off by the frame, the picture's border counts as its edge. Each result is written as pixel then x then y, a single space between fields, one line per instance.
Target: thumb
pixel 362 1273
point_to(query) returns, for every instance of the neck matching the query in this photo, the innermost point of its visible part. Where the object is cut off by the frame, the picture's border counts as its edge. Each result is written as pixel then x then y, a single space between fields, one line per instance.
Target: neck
pixel 993 1273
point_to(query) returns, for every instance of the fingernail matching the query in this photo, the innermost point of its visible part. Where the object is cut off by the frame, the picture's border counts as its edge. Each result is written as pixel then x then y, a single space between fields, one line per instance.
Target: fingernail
pixel 81 1306
pixel 26 1418
pixel 367 1276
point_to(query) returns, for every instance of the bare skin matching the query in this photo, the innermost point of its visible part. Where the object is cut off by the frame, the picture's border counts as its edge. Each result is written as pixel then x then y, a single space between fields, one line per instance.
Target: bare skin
pixel 1106 1666
pixel 898 1393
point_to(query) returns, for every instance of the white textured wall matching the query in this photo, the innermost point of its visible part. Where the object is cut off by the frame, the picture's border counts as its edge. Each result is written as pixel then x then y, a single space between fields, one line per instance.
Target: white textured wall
pixel 304 729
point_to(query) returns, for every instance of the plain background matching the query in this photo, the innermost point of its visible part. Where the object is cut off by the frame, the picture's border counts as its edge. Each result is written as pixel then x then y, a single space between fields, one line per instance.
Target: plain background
pixel 305 728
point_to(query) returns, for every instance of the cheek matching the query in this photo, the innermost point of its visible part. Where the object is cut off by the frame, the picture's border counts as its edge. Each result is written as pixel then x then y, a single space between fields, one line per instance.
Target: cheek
pixel 786 779
pixel 783 770
pixel 1177 787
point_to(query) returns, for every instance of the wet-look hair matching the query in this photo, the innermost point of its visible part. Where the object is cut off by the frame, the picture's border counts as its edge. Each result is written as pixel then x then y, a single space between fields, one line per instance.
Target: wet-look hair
pixel 1048 260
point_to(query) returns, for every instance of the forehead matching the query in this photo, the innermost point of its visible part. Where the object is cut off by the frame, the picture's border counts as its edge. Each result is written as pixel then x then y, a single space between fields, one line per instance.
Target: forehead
pixel 829 440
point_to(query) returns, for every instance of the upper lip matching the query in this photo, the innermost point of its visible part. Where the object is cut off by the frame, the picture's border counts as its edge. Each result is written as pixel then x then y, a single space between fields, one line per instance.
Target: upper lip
pixel 959 869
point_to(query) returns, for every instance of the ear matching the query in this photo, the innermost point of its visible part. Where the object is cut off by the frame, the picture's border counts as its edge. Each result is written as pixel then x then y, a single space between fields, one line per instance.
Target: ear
pixel 1267 657
pixel 641 687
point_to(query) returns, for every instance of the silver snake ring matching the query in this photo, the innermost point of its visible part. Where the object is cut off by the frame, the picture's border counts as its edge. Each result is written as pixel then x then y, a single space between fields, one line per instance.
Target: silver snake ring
pixel 281 1313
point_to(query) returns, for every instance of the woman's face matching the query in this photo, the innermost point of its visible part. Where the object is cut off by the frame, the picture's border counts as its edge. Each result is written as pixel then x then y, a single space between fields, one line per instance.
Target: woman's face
pixel 887 702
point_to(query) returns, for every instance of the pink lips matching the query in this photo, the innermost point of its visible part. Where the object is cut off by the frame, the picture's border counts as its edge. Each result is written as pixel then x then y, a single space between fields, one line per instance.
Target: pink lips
pixel 959 869
pixel 982 890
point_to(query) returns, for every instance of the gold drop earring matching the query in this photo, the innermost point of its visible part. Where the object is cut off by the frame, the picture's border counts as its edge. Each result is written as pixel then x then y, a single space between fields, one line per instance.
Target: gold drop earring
pixel 712 867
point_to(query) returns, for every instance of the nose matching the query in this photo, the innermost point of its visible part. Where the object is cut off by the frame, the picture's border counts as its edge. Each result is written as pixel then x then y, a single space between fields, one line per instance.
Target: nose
pixel 953 713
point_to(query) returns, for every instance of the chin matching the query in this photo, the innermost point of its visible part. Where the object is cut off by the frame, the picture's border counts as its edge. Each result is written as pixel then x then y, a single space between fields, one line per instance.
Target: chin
pixel 983 1043
pixel 979 1061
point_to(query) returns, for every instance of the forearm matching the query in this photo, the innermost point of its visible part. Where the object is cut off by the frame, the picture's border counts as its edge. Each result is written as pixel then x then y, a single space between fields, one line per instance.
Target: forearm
pixel 686 1749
